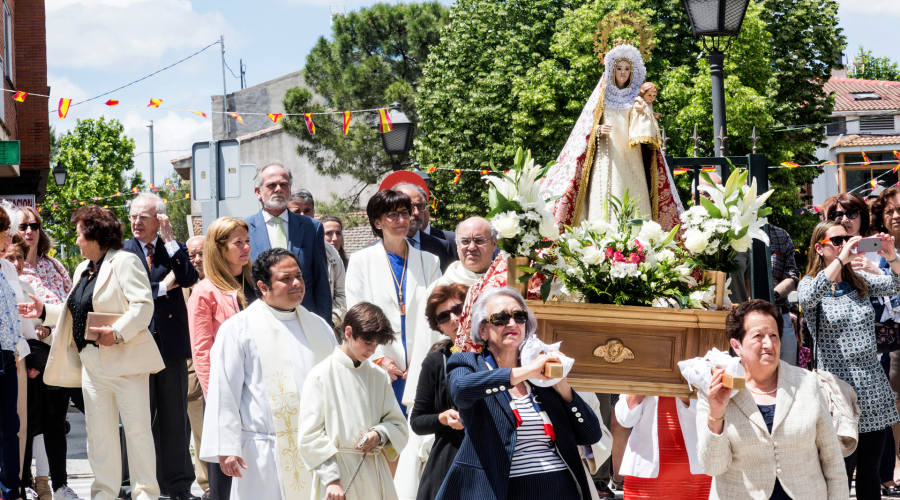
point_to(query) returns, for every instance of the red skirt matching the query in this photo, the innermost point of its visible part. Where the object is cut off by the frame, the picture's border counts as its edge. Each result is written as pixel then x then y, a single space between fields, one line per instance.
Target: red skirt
pixel 675 480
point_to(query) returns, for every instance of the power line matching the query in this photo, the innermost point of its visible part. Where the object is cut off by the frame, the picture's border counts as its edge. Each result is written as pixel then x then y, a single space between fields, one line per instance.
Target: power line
pixel 861 118
pixel 163 151
pixel 232 71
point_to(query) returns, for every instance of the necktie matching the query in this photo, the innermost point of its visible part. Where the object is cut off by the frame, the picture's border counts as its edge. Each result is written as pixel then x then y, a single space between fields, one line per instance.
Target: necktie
pixel 150 256
pixel 414 243
pixel 279 238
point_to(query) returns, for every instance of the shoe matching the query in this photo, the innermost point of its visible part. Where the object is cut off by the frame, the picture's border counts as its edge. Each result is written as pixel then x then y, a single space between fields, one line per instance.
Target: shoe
pixel 65 493
pixel 890 491
pixel 603 490
pixel 42 488
pixel 616 486
pixel 184 495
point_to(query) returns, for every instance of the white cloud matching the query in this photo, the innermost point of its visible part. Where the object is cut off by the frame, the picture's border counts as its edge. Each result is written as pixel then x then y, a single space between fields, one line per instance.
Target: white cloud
pixel 173 136
pixel 102 34
pixel 889 8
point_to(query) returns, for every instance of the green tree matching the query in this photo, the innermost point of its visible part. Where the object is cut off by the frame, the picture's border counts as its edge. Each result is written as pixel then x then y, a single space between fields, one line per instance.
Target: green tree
pixel 99 159
pixel 373 58
pixel 178 207
pixel 868 67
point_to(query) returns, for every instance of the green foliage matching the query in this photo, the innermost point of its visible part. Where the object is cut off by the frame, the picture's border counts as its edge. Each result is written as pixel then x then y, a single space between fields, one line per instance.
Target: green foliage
pixel 342 208
pixel 868 67
pixel 374 58
pixel 178 207
pixel 99 159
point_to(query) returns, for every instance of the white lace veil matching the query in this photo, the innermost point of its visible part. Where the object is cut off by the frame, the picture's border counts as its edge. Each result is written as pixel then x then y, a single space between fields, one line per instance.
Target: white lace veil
pixel 616 98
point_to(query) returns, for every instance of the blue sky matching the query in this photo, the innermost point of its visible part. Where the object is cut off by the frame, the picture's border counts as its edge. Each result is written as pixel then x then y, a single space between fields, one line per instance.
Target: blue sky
pixel 97 45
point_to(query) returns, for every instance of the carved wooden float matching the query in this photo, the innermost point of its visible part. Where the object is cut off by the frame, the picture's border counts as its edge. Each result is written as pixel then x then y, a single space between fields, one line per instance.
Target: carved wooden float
pixel 628 349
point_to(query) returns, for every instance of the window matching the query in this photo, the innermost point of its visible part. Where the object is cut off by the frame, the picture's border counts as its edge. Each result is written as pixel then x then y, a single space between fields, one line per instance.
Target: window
pixel 855 175
pixel 7 42
pixel 876 123
pixel 865 96
pixel 838 127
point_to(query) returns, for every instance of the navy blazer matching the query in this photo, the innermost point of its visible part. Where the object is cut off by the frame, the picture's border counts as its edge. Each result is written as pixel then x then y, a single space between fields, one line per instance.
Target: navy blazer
pixel 306 238
pixel 169 325
pixel 448 236
pixel 481 468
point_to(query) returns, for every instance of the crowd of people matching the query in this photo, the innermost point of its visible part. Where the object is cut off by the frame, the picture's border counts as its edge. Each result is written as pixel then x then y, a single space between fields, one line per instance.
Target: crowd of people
pixel 259 361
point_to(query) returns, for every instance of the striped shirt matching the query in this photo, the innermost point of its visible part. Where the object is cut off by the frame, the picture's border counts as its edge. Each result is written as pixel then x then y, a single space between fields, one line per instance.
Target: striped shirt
pixel 535 453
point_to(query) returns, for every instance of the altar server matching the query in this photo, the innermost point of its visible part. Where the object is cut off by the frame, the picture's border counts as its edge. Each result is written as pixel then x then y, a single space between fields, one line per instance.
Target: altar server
pixel 259 361
pixel 348 399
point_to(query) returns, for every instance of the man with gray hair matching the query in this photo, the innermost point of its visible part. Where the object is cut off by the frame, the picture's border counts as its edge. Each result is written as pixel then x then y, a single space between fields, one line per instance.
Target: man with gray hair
pixel 168 266
pixel 476 241
pixel 274 226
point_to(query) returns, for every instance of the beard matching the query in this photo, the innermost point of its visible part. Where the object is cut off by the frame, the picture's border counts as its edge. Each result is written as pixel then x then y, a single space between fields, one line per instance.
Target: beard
pixel 275 202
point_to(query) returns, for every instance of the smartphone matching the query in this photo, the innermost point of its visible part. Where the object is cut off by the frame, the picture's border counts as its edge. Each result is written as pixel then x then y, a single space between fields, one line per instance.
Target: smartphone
pixel 869 245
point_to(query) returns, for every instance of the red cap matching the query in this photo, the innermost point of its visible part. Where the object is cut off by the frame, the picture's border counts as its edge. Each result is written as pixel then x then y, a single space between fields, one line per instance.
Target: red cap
pixel 405 176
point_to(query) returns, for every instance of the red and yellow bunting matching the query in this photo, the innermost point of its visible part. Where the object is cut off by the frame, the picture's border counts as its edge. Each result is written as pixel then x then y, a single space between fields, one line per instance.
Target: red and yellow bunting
pixel 458 173
pixel 309 123
pixel 385 119
pixel 829 162
pixel 679 171
pixel 432 170
pixel 64 107
pixel 873 183
pixel 237 117
pixel 275 117
pixel 790 164
pixel 866 160
pixel 347 115
pixel 20 96
pixel 154 103
pixel 112 102
pixel 199 113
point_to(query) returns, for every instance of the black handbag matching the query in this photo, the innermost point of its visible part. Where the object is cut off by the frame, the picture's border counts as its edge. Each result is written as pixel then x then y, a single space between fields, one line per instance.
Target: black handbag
pixel 39 354
pixel 887 336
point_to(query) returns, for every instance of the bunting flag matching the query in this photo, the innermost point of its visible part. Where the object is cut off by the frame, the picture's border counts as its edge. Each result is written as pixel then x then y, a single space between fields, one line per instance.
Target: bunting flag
pixel 433 203
pixel 347 122
pixel 432 170
pixel 154 103
pixel 309 123
pixel 817 208
pixel 20 96
pixel 873 183
pixel 187 195
pixel 151 186
pixel 237 117
pixel 485 172
pixel 708 169
pixel 679 171
pixel 385 118
pixel 827 163
pixel 200 113
pixel 866 160
pixel 275 117
pixel 167 182
pixel 64 107
pixel 458 173
pixel 897 155
pixel 896 167
pixel 790 164
pixel 112 102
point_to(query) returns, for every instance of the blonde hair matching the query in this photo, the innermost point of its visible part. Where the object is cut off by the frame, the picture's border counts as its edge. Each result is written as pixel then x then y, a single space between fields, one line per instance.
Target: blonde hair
pixel 646 87
pixel 214 264
pixel 817 262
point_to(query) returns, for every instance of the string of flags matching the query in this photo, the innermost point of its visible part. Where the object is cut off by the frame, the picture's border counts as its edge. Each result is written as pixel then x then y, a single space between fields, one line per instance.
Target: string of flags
pixel 57 208
pixel 168 186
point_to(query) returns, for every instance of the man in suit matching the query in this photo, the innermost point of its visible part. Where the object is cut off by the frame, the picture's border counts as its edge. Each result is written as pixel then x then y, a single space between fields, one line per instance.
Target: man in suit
pixel 195 393
pixel 168 266
pixel 418 221
pixel 274 226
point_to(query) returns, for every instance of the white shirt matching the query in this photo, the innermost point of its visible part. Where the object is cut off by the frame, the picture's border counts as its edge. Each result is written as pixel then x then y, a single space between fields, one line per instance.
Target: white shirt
pixel 534 452
pixel 171 248
pixel 270 224
pixel 641 457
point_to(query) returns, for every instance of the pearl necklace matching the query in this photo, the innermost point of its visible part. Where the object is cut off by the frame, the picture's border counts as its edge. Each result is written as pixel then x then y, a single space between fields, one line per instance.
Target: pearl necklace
pixel 762 393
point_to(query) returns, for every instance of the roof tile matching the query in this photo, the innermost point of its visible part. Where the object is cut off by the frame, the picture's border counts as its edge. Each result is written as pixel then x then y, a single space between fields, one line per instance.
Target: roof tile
pixel 844 101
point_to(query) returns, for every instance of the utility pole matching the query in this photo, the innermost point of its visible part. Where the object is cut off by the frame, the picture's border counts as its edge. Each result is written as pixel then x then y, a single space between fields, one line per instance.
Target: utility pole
pixel 152 172
pixel 243 84
pixel 224 88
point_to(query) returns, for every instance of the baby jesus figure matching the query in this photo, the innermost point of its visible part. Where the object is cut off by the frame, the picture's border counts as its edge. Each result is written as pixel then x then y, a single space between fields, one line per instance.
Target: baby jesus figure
pixel 643 127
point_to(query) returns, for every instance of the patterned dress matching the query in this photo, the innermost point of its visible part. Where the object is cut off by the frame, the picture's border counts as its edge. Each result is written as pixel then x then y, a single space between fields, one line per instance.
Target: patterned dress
pixel 50 280
pixel 846 341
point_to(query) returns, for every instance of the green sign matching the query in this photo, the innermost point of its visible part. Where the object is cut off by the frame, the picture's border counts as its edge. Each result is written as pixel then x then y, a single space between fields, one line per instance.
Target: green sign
pixel 9 153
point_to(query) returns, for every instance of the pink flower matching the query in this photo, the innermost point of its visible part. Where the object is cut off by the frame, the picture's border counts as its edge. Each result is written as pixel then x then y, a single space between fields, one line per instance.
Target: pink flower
pixel 610 252
pixel 633 259
pixel 638 245
pixel 618 257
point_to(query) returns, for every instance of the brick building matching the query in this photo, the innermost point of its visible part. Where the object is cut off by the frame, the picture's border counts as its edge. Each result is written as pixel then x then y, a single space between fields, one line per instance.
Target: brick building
pixel 23 59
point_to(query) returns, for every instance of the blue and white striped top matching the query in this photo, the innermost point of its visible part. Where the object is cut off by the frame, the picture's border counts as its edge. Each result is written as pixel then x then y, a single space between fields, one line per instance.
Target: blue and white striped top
pixel 535 453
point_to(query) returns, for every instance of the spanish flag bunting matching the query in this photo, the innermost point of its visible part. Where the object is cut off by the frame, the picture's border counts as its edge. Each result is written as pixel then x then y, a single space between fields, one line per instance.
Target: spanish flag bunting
pixel 385 117
pixel 866 160
pixel 873 183
pixel 708 169
pixel 165 200
pixel 154 103
pixel 64 107
pixel 790 164
pixel 897 155
pixel 485 172
pixel 275 117
pixel 20 96
pixel 433 203
pixel 829 162
pixel 151 185
pixel 187 195
pixel 347 122
pixel 237 117
pixel 458 173
pixel 81 203
pixel 432 170
pixel 896 167
pixel 309 123
pixel 112 102
pixel 118 194
pixel 679 171
pixel 199 113
pixel 134 190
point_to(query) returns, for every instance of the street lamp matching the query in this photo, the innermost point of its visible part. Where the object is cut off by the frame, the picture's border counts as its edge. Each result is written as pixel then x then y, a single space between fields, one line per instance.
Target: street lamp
pixel 416 168
pixel 59 174
pixel 718 20
pixel 399 140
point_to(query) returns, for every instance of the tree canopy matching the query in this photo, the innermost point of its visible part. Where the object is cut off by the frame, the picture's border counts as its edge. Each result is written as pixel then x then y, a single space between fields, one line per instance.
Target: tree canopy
pixel 869 67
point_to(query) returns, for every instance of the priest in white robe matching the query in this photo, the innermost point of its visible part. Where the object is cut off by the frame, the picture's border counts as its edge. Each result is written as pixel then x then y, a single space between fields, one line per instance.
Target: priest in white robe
pixel 476 243
pixel 258 364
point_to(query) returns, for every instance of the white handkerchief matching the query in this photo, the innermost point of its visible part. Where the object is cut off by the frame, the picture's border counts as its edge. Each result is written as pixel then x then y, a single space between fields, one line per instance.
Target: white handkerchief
pixel 698 371
pixel 532 348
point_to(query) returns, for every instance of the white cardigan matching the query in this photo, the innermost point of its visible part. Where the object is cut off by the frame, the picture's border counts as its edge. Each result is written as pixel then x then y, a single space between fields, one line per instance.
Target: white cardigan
pixel 642 454
pixel 369 279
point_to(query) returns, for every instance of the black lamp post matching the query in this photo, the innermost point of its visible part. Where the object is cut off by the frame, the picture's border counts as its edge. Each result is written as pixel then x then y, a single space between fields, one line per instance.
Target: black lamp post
pixel 399 140
pixel 59 174
pixel 417 169
pixel 719 20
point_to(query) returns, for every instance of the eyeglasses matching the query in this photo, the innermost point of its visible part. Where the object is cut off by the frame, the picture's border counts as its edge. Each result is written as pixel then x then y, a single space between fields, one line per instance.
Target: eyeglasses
pixel 392 216
pixel 419 206
pixel 502 318
pixel 836 240
pixel 850 214
pixel 143 218
pixel 479 241
pixel 444 317
pixel 34 226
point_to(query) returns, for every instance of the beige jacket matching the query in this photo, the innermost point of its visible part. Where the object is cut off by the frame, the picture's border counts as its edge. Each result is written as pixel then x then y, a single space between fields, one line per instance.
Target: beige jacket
pixel 802 452
pixel 123 288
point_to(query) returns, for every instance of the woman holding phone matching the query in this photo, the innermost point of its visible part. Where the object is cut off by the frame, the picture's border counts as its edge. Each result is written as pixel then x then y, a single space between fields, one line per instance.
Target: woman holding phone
pixel 835 301
pixel 852 212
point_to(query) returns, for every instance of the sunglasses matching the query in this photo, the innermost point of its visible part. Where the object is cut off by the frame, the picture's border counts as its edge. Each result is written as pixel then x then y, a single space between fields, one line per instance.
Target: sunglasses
pixel 444 317
pixel 850 214
pixel 836 240
pixel 502 318
pixel 34 226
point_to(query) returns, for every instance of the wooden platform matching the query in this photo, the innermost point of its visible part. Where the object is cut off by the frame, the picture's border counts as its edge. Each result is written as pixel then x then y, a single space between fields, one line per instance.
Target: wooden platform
pixel 626 349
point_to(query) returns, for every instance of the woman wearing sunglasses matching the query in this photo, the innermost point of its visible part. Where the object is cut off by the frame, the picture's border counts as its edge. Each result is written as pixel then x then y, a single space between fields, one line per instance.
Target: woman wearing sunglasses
pixel 835 302
pixel 852 212
pixel 521 440
pixel 434 416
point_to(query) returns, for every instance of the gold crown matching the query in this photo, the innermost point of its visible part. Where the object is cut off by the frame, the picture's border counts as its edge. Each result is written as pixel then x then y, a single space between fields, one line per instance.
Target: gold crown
pixel 621 18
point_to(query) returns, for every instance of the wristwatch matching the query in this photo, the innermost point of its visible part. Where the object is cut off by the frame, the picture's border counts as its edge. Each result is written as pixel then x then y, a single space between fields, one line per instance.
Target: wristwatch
pixel 116 333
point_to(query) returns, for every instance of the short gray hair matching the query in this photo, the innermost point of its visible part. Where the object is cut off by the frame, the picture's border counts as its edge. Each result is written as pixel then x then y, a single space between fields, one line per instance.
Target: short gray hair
pixel 192 238
pixel 257 179
pixel 156 200
pixel 410 185
pixel 14 214
pixel 303 196
pixel 480 312
pixel 494 232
